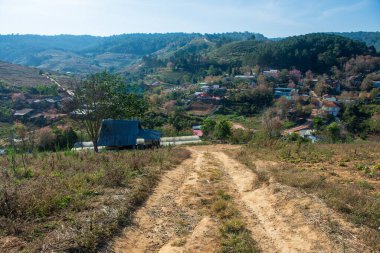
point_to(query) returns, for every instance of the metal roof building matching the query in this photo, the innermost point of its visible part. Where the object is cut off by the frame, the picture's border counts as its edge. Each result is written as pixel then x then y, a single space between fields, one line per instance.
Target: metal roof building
pixel 124 133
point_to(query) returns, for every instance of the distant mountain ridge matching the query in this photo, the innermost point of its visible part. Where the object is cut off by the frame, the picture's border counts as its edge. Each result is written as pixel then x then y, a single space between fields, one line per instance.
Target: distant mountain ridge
pixel 85 54
pixel 370 38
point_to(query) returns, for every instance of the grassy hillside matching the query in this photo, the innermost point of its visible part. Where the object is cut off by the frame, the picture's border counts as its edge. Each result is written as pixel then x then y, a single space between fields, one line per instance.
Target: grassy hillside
pixel 72 202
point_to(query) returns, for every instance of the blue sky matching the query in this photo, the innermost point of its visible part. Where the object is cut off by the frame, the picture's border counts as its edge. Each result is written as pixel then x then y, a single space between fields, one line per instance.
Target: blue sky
pixel 273 18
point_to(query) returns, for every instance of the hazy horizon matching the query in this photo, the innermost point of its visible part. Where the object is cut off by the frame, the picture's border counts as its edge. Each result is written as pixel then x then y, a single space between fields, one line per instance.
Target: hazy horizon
pixel 272 18
pixel 47 35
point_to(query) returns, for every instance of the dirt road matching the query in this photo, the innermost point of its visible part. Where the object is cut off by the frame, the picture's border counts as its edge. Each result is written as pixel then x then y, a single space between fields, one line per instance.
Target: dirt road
pixel 176 218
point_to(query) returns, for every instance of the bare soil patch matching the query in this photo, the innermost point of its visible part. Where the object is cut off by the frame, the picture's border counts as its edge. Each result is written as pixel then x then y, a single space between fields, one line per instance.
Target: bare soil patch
pixel 187 212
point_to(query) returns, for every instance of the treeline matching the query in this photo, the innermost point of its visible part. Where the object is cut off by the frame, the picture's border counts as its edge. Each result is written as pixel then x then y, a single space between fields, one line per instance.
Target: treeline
pixel 15 46
pixel 370 38
pixel 143 44
pixel 317 52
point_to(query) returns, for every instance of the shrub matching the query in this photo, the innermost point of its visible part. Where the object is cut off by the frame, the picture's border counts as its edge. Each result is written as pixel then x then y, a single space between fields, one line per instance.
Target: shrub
pixel 240 136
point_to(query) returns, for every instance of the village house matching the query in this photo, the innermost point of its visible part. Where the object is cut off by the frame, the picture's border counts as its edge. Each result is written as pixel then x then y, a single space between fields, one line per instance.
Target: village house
pixel 328 97
pixel 330 108
pixel 157 83
pixel 197 130
pixel 271 73
pixel 245 77
pixel 309 134
pixel 205 88
pixel 23 114
pixel 211 93
pixel 288 93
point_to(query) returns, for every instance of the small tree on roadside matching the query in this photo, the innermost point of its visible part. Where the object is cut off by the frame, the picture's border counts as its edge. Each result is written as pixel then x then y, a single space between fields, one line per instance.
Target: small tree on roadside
pixel 104 96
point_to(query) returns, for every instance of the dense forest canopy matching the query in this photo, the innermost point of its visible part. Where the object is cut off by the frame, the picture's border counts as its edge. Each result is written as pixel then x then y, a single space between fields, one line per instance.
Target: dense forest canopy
pixel 370 38
pixel 317 52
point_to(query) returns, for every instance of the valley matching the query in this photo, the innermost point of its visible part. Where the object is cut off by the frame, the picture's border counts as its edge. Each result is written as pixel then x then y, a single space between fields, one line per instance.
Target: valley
pixel 187 142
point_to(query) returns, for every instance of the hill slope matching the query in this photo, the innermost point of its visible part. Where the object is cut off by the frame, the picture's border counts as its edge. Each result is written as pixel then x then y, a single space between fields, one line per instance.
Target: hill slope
pixel 18 75
pixel 86 54
pixel 317 52
pixel 370 38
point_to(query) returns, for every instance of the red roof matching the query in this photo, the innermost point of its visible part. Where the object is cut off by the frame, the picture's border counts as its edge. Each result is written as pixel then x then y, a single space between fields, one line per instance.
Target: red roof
pixel 329 104
pixel 198 133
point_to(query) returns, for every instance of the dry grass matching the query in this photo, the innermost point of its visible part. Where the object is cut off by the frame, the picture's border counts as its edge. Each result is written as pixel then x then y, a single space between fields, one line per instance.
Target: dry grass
pixel 345 176
pixel 75 201
pixel 234 235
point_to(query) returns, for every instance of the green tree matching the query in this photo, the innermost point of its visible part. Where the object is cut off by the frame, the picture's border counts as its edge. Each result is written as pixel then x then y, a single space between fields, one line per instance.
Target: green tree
pixel 318 123
pixel 223 130
pixel 252 101
pixel 65 138
pixel 333 131
pixel 211 71
pixel 104 96
pixel 208 127
pixel 355 119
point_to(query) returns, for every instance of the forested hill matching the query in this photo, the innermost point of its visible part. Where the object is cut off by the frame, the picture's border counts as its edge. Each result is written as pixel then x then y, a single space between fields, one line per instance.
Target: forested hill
pixel 142 44
pixel 370 38
pixel 85 54
pixel 88 54
pixel 317 52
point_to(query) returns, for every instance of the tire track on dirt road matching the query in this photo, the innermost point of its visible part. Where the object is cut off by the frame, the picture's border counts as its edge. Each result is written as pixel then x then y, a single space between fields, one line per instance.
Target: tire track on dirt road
pixel 170 220
pixel 176 218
